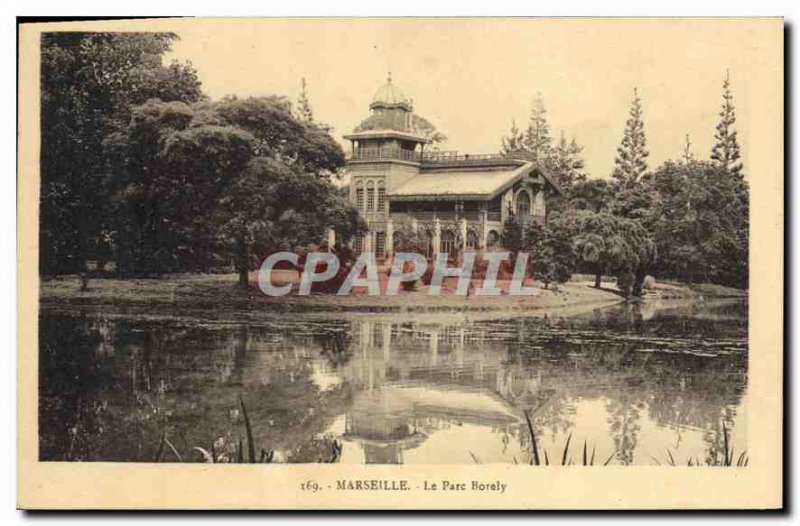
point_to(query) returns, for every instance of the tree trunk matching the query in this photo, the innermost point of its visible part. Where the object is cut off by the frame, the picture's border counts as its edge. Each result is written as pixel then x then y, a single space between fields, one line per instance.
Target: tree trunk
pixel 242 259
pixel 598 278
pixel 638 282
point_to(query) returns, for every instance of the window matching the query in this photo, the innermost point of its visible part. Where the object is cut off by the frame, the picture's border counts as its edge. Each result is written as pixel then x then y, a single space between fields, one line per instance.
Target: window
pixel 493 238
pixel 448 243
pixel 538 204
pixel 380 243
pixel 370 196
pixel 523 203
pixel 472 240
pixel 381 197
pixel 358 244
pixel 360 196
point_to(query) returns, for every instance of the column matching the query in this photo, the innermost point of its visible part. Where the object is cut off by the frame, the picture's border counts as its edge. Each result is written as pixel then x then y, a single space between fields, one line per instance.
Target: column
pixel 437 236
pixel 331 237
pixel 368 242
pixel 484 229
pixel 462 227
pixel 389 242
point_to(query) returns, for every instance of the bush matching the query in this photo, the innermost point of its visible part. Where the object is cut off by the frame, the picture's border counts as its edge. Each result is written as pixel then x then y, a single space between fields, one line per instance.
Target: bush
pixel 625 283
pixel 649 283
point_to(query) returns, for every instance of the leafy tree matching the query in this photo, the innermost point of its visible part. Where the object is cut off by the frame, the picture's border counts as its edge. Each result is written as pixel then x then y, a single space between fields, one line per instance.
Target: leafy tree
pixel 425 129
pixel 89 82
pixel 512 235
pixel 608 243
pixel 700 223
pixel 237 178
pixel 595 195
pixel 550 251
pixel 725 152
pixel 630 163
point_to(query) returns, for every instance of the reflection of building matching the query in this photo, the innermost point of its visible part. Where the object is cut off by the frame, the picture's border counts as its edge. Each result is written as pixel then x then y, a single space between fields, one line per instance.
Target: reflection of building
pixel 457 201
pixel 412 379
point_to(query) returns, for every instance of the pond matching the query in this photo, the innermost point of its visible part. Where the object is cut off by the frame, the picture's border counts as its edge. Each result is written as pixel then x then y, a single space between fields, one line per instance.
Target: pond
pixel 632 384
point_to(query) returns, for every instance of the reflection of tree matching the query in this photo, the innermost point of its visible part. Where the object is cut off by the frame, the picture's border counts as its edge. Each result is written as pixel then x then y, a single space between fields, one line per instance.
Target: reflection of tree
pixel 624 427
pixel 335 347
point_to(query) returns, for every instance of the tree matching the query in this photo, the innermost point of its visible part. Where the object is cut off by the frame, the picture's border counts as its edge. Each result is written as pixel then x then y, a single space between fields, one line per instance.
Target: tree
pixel 425 129
pixel 687 156
pixel 304 112
pixel 234 179
pixel 537 137
pixel 89 82
pixel 595 195
pixel 700 224
pixel 550 251
pixel 514 142
pixel 725 152
pixel 512 235
pixel 630 163
pixel 607 243
pixel 566 163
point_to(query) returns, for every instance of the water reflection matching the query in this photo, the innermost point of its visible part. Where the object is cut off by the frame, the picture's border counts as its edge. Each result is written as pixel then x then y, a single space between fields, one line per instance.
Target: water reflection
pixel 631 382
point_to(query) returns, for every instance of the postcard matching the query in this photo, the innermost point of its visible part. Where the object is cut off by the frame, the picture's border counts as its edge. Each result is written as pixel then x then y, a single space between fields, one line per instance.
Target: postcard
pixel 401 263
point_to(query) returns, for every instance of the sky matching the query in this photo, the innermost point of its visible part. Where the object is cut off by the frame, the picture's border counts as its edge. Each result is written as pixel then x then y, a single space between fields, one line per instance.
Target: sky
pixel 471 77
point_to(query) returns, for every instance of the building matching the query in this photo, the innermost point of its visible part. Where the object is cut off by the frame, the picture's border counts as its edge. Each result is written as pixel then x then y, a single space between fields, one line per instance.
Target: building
pixel 457 201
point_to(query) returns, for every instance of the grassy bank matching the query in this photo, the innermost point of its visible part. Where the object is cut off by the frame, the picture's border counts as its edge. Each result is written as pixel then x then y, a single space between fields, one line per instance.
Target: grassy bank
pixel 218 291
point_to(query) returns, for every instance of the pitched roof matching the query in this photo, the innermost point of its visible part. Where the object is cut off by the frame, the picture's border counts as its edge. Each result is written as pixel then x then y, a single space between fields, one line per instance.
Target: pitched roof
pixel 461 184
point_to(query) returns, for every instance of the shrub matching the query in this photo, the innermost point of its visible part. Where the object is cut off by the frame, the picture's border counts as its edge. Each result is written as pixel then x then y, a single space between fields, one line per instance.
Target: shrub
pixel 625 283
pixel 649 283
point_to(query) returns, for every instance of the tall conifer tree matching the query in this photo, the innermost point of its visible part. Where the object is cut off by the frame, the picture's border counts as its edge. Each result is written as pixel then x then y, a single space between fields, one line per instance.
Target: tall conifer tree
pixel 537 136
pixel 725 152
pixel 631 161
pixel 304 111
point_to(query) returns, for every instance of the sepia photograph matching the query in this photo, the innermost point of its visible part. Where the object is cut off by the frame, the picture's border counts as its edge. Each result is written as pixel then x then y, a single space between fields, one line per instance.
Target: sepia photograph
pixel 423 258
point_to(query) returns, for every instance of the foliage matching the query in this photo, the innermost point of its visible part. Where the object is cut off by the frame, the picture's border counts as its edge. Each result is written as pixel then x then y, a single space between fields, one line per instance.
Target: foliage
pixel 512 235
pixel 89 82
pixel 304 112
pixel 630 163
pixel 725 152
pixel 700 222
pixel 566 163
pixel 550 250
pixel 514 141
pixel 234 179
pixel 608 243
pixel 538 142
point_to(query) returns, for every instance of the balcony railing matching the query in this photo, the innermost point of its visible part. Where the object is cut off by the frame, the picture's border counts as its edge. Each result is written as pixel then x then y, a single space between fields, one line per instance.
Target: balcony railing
pixel 450 158
pixel 379 154
pixel 471 217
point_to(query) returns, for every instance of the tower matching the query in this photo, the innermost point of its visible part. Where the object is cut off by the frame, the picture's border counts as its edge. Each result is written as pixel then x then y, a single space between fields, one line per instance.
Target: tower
pixel 386 152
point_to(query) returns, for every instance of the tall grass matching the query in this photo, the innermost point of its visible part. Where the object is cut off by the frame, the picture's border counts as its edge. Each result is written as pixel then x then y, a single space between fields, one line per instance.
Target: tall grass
pixel 542 458
pixel 332 453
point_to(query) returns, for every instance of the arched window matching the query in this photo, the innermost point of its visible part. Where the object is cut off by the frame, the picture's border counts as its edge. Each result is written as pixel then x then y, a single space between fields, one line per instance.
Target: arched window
pixel 360 195
pixel 381 197
pixel 370 196
pixel 523 203
pixel 493 239
pixel 472 240
pixel 448 243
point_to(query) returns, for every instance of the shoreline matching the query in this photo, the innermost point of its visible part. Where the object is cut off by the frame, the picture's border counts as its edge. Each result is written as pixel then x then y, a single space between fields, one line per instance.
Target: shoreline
pixel 204 294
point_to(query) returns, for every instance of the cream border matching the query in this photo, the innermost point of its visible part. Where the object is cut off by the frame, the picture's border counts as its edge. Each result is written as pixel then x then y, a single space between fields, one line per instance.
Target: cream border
pixel 104 485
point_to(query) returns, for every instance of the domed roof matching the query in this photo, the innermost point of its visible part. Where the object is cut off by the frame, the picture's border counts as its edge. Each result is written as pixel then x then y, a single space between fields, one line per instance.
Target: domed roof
pixel 389 94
